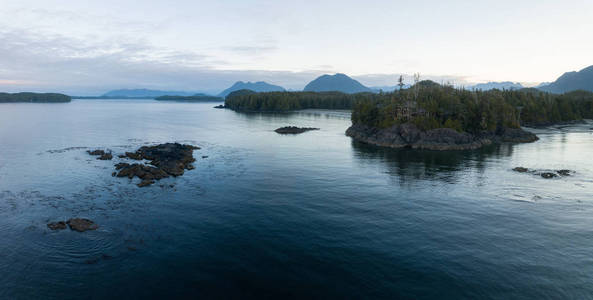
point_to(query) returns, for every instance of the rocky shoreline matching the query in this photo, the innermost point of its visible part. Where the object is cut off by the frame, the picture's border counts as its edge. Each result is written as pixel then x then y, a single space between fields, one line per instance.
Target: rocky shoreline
pixel 408 135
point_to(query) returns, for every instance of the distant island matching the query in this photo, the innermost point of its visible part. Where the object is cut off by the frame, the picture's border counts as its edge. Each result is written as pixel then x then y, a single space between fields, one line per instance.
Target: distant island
pixel 34 98
pixel 194 98
pixel 259 86
pixel 144 93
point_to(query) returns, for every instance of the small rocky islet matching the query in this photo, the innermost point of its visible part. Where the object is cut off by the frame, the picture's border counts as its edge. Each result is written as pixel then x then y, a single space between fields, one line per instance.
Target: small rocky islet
pixel 102 154
pixel 294 130
pixel 545 174
pixel 75 224
pixel 165 160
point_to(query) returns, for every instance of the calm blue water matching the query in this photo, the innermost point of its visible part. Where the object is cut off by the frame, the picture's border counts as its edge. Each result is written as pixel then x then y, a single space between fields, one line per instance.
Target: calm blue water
pixel 271 216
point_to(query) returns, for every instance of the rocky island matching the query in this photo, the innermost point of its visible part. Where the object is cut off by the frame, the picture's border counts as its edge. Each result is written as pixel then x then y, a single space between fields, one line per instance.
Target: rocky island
pixel 165 160
pixel 434 117
pixel 294 130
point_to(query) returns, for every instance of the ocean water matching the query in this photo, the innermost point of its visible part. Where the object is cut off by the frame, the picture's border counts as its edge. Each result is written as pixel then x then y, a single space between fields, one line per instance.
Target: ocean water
pixel 264 215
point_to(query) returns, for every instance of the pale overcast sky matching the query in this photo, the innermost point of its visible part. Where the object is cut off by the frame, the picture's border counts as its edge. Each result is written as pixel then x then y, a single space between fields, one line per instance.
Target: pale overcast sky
pixel 88 47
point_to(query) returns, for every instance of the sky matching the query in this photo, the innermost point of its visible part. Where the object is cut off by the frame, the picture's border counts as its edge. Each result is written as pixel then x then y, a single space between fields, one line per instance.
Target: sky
pixel 89 47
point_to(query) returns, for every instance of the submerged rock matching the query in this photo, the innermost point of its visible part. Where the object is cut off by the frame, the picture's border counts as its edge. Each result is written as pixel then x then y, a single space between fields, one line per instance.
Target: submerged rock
pixel 564 172
pixel 220 106
pixel 106 156
pixel 81 225
pixel 96 152
pixel 548 175
pixel 145 182
pixel 102 154
pixel 521 169
pixel 57 225
pixel 294 130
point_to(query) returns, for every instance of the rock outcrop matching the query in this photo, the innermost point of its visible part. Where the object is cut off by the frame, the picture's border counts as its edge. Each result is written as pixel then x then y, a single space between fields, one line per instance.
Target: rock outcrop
pixel 76 224
pixel 57 225
pixel 408 135
pixel 547 174
pixel 170 159
pixel 101 153
pixel 294 130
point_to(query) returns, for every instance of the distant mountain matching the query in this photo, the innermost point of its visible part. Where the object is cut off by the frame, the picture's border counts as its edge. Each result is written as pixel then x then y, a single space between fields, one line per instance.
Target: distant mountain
pixel 505 85
pixel 572 81
pixel 259 87
pixel 541 85
pixel 338 82
pixel 144 93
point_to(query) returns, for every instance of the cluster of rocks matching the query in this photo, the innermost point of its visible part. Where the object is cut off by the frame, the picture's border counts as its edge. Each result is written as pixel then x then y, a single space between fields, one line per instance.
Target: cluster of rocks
pixel 408 135
pixel 101 153
pixel 170 159
pixel 544 174
pixel 294 130
pixel 76 224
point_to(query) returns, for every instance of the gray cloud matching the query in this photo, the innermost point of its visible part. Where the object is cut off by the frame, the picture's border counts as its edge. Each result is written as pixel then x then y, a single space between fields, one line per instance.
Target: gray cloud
pixel 51 62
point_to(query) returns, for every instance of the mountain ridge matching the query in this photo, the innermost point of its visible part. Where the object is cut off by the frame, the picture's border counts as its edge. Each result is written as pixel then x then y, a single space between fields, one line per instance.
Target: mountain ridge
pixel 336 83
pixel 259 86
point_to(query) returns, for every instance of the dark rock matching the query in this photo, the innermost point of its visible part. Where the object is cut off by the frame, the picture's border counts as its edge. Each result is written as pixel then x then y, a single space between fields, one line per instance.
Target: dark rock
pixel 170 159
pixel 521 170
pixel 220 106
pixel 134 155
pixel 146 182
pixel 96 152
pixel 548 175
pixel 57 225
pixel 564 172
pixel 122 156
pixel 204 156
pixel 106 156
pixel 294 130
pixel 408 135
pixel 113 174
pixel 517 135
pixel 81 225
pixel 141 171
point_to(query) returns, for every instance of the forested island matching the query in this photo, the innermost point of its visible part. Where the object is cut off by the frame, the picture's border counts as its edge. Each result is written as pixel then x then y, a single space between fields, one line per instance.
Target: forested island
pixel 34 98
pixel 433 116
pixel 436 117
pixel 194 98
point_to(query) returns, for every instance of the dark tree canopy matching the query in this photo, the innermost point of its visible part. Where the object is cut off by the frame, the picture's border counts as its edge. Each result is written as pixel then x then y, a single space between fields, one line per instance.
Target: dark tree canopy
pixel 33 97
pixel 430 105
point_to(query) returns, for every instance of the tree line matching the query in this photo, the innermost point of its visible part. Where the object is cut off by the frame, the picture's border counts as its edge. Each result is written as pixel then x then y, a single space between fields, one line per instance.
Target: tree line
pixel 285 101
pixel 33 97
pixel 430 105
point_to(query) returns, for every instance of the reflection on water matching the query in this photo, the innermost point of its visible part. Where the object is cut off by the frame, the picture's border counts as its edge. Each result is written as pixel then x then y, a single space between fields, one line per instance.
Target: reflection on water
pixel 447 166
